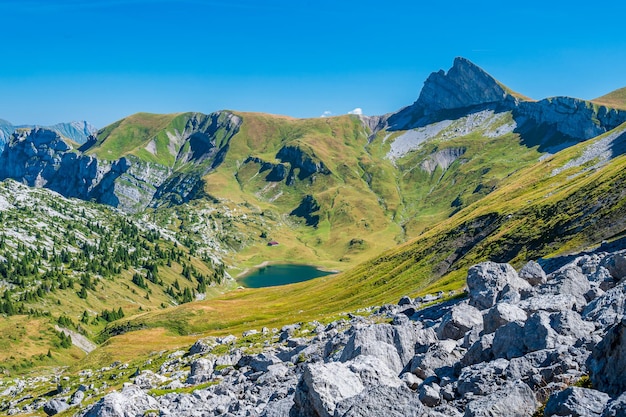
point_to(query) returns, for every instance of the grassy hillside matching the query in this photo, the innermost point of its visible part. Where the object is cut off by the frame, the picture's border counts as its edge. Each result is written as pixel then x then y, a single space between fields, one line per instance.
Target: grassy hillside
pixel 365 201
pixel 536 212
pixel 615 99
pixel 132 134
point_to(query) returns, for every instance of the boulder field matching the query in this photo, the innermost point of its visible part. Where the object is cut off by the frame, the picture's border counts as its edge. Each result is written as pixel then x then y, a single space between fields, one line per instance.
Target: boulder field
pixel 514 344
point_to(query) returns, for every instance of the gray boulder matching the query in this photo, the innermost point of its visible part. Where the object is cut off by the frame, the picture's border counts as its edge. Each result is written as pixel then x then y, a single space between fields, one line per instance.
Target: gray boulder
pixel 259 362
pixel 202 345
pixel 538 334
pixel 55 406
pixel 201 370
pixel 602 278
pixel 77 397
pixel 533 273
pixel 480 351
pixel 547 330
pixel 537 369
pixel 381 401
pixel 405 300
pixel 515 399
pixel 508 341
pixel 550 303
pixel 411 380
pixel 607 362
pixel 279 408
pixel 131 401
pixel 568 280
pixel 487 280
pixel 609 308
pixel 323 386
pixel 458 321
pixel 501 314
pixel 394 345
pixel 576 402
pixel 373 371
pixel 482 379
pixel 439 359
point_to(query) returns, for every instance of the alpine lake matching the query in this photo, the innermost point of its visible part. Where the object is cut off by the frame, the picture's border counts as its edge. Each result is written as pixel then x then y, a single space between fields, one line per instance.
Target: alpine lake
pixel 281 274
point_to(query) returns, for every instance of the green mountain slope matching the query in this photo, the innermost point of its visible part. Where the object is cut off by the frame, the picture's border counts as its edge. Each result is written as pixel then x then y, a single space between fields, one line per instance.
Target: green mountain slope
pixel 567 202
pixel 615 99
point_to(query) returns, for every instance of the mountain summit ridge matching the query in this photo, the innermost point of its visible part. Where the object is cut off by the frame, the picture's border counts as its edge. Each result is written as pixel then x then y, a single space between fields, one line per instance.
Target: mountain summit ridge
pixel 464 85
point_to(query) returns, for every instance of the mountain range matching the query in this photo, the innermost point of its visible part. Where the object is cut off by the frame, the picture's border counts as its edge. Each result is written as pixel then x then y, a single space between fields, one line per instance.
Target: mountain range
pixel 402 203
pixel 78 132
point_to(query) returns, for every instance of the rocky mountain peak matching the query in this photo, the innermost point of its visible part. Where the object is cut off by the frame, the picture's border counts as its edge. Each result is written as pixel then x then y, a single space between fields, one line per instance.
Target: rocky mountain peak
pixel 464 85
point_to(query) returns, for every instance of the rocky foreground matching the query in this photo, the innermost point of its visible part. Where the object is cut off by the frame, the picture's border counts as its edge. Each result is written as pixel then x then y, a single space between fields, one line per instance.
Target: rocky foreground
pixel 516 343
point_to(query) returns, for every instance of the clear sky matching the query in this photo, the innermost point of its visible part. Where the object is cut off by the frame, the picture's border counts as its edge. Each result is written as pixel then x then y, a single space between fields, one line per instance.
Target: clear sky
pixel 100 60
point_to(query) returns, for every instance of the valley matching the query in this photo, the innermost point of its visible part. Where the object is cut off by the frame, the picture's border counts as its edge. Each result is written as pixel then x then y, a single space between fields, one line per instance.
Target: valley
pixel 134 237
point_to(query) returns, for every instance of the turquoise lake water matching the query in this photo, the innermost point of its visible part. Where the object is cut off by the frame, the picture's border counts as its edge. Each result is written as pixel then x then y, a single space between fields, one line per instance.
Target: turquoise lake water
pixel 273 275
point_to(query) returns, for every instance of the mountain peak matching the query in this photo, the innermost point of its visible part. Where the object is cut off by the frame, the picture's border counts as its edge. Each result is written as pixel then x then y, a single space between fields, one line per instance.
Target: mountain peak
pixel 464 85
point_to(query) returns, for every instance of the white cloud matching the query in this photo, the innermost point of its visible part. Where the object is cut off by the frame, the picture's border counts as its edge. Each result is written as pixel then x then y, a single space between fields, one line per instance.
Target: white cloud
pixel 358 111
pixel 327 113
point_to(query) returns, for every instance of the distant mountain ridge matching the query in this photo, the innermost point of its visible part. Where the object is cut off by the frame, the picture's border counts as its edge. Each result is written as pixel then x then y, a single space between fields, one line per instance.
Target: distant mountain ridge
pixel 78 132
pixel 551 123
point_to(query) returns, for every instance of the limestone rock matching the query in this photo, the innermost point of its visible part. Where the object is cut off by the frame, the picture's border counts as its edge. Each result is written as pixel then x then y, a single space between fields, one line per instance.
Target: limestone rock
pixel 576 402
pixel 201 370
pixel 324 385
pixel 508 341
pixel 394 345
pixel 513 400
pixel 501 314
pixel 569 280
pixel 373 371
pixel 148 379
pixel 429 394
pixel 533 273
pixel 439 359
pixel 487 280
pixel 616 408
pixel 411 380
pixel 458 321
pixel 482 379
pixel 616 265
pixel 130 401
pixel 609 308
pixel 607 363
pixel 55 406
pixel 381 401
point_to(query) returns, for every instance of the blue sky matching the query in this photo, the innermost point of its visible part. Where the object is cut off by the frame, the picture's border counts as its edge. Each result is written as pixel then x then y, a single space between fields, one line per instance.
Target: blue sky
pixel 103 60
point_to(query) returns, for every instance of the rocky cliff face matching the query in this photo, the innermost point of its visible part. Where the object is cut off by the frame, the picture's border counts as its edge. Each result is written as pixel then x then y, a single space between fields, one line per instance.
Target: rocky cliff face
pixel 42 158
pixel 464 85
